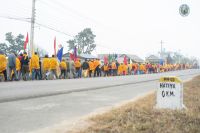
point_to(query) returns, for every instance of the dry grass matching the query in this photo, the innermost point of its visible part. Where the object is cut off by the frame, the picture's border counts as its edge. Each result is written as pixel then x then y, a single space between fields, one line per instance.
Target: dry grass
pixel 141 117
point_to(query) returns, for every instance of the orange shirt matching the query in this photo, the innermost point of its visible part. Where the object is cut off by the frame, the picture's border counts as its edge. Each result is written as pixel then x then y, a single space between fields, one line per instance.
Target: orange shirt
pixel 77 64
pixel 91 65
pixel 105 67
pixel 96 63
pixel 114 65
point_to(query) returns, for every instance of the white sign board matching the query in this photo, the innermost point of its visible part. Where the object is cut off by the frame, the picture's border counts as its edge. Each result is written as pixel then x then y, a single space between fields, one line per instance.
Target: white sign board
pixel 170 93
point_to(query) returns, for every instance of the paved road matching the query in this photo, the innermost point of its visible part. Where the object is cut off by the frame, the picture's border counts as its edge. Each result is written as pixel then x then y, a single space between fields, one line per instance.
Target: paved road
pixel 29 106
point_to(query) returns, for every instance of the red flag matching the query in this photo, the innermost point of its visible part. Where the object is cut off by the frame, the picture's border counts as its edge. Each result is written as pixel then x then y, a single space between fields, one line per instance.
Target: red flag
pixel 26 41
pixel 71 56
pixel 105 60
pixel 125 60
pixel 55 46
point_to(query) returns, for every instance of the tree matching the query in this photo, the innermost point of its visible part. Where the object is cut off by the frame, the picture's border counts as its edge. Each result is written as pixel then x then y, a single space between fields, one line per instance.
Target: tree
pixel 13 43
pixel 4 47
pixel 84 42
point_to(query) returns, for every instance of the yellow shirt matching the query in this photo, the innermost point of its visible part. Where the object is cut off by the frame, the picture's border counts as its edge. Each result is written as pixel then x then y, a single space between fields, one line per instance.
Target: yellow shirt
pixel 46 64
pixel 35 62
pixel 3 63
pixel 53 63
pixel 63 65
pixel 18 64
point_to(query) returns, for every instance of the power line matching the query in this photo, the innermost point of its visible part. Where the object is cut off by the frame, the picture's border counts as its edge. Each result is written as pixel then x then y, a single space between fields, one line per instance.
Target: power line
pixel 42 25
pixel 48 27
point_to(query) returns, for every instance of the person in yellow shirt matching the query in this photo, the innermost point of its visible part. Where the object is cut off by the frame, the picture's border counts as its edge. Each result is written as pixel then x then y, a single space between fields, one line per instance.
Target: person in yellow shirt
pixel 18 68
pixel 142 69
pixel 53 66
pixel 34 66
pixel 46 67
pixel 120 69
pixel 63 68
pixel 77 65
pixel 124 69
pixel 3 65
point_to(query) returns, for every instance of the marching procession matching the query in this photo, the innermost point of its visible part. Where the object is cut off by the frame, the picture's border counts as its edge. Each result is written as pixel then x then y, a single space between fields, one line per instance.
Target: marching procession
pixel 21 67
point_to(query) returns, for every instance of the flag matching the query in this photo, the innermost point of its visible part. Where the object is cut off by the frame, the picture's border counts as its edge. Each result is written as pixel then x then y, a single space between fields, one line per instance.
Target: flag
pixel 55 46
pixel 71 56
pixel 59 54
pixel 75 53
pixel 26 41
pixel 125 60
pixel 105 60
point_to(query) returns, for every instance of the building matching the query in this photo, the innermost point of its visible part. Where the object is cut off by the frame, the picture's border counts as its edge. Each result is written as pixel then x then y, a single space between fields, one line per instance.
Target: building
pixel 153 59
pixel 120 57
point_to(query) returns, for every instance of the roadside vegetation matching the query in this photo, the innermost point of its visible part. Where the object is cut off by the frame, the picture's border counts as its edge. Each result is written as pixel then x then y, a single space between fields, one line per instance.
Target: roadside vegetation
pixel 141 116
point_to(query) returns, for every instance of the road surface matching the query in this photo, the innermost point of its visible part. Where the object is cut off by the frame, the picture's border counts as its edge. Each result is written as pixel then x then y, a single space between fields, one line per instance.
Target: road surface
pixel 34 105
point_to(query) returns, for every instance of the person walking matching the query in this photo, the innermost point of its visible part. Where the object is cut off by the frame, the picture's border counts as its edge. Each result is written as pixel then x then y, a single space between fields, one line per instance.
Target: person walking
pixel 91 67
pixel 96 68
pixel 53 67
pixel 35 67
pixel 12 66
pixel 46 67
pixel 63 68
pixel 25 67
pixel 77 65
pixel 105 69
pixel 18 68
pixel 3 65
pixel 85 67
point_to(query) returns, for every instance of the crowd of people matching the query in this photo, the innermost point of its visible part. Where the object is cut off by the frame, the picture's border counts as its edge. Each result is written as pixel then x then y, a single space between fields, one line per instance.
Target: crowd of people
pixel 21 67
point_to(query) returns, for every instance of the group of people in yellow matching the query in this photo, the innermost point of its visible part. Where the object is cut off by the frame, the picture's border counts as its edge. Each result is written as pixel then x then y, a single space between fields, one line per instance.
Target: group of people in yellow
pixel 20 67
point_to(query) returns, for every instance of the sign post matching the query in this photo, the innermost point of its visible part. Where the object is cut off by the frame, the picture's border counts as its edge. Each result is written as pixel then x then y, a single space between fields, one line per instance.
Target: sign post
pixel 170 93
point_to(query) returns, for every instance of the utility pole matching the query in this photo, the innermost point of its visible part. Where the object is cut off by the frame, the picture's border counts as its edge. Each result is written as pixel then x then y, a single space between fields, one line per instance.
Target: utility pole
pixel 161 50
pixel 31 48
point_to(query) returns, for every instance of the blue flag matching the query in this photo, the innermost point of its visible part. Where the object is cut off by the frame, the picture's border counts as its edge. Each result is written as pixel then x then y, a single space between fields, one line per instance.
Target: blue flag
pixel 59 54
pixel 75 52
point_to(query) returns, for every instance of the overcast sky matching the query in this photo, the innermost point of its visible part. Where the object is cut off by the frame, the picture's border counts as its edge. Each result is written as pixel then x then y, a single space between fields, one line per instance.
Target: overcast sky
pixel 120 26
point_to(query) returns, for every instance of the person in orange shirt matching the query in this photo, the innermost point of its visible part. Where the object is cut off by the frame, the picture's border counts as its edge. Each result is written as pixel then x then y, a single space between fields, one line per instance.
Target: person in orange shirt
pixel 124 69
pixel 91 67
pixel 105 69
pixel 120 69
pixel 77 65
pixel 96 68
pixel 114 68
